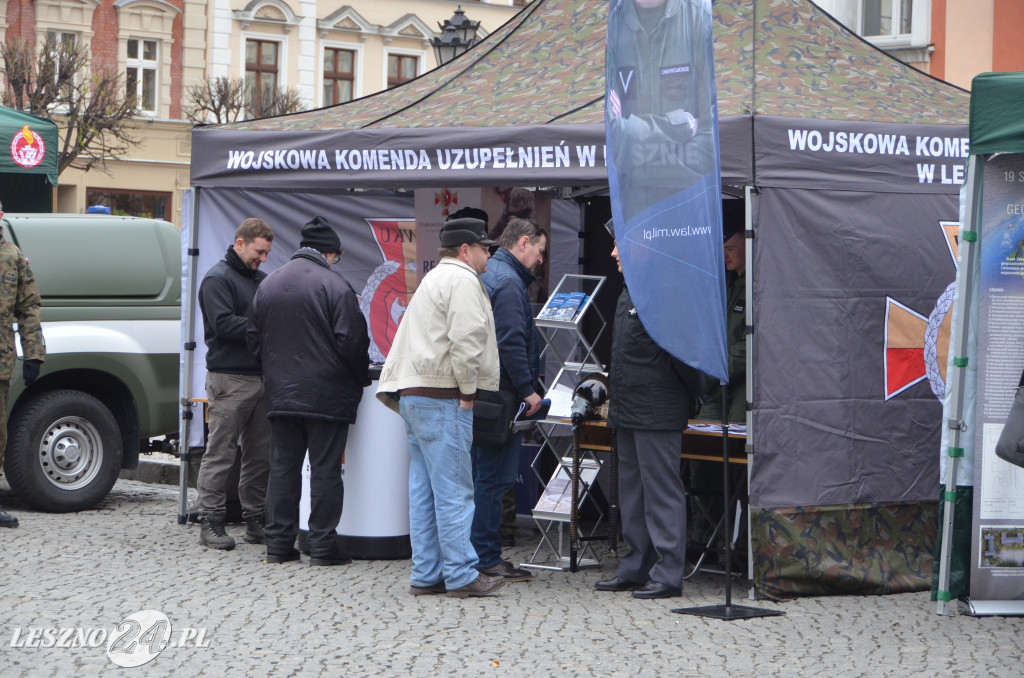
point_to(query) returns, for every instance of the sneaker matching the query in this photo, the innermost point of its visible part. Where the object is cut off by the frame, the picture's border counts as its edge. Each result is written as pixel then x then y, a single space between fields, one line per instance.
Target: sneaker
pixel 212 535
pixel 6 519
pixel 428 590
pixel 508 571
pixel 483 585
pixel 254 533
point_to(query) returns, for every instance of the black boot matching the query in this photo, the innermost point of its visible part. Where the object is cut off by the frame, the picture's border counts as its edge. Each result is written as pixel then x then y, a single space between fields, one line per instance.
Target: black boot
pixel 254 531
pixel 213 534
pixel 6 519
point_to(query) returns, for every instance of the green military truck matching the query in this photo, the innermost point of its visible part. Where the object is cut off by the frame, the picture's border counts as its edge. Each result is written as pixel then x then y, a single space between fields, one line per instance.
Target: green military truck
pixel 111 291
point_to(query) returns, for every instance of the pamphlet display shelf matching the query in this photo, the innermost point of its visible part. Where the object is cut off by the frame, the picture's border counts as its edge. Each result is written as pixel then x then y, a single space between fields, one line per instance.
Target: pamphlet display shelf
pixel 570 301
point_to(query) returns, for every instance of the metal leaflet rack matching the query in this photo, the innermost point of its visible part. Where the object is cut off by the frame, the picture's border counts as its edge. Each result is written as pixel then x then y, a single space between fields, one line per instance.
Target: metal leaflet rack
pixel 559 324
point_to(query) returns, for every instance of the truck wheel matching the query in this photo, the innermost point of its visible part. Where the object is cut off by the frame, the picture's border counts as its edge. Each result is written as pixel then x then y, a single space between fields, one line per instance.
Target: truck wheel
pixel 63 451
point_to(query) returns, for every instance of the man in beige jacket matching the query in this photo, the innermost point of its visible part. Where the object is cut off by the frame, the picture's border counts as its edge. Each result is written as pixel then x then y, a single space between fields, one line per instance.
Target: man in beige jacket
pixel 443 353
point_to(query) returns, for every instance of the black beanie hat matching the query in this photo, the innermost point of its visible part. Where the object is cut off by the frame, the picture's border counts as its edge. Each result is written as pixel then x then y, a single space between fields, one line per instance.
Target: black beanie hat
pixel 469 213
pixel 319 235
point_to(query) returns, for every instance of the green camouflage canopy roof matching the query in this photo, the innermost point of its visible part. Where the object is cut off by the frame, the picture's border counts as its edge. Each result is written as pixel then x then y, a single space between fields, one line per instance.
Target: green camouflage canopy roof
pixel 546 66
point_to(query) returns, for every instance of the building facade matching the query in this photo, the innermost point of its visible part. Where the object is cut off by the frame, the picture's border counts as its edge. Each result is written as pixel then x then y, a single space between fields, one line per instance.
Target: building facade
pixel 331 52
pixel 327 51
pixel 953 40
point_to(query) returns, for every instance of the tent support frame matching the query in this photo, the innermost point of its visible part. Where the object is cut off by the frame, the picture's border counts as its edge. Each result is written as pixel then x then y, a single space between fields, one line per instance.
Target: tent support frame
pixel 957 426
pixel 184 454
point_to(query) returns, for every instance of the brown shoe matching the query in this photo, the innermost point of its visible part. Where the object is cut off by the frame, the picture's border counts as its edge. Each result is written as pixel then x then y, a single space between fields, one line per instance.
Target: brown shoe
pixel 508 571
pixel 428 590
pixel 483 585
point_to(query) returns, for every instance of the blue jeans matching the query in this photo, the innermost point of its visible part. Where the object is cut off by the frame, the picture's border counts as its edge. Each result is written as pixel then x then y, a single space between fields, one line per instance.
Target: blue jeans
pixel 494 473
pixel 440 490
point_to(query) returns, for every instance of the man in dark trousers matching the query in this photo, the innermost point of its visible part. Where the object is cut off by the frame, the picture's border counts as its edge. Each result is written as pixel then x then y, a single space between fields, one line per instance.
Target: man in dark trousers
pixel 312 342
pixel 650 401
pixel 234 390
pixel 509 273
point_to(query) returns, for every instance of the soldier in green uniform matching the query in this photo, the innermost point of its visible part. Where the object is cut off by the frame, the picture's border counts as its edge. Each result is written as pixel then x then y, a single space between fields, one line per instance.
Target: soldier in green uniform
pixel 706 477
pixel 19 302
pixel 735 248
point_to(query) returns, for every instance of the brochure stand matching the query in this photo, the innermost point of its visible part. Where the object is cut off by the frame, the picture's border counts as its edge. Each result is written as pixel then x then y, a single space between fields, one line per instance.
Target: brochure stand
pixel 559 324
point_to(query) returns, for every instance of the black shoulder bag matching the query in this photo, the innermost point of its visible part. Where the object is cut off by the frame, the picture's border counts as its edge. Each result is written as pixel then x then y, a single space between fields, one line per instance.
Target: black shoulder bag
pixel 493 414
pixel 1011 441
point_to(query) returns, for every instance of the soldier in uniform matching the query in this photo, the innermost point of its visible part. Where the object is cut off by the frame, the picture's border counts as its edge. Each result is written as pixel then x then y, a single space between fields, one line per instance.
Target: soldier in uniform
pixel 19 301
pixel 657 100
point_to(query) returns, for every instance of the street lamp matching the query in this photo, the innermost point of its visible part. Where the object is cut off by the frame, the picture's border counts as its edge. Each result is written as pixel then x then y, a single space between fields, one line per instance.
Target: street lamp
pixel 457 35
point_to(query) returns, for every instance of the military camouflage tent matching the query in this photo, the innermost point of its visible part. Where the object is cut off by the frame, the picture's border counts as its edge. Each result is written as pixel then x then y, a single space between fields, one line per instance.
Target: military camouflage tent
pixel 854 161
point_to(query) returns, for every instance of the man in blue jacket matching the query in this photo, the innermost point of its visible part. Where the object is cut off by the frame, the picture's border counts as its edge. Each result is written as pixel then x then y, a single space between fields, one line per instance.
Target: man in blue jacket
pixel 311 339
pixel 509 273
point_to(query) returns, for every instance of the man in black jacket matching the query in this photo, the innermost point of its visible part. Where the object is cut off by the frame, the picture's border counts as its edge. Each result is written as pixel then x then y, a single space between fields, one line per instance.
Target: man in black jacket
pixel 309 335
pixel 234 390
pixel 650 401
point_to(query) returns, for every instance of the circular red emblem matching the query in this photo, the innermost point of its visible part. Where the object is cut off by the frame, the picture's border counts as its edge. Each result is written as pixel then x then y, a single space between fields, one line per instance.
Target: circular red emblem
pixel 27 148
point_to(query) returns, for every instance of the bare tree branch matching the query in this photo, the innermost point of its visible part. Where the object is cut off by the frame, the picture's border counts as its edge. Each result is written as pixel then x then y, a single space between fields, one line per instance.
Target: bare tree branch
pixel 91 108
pixel 222 100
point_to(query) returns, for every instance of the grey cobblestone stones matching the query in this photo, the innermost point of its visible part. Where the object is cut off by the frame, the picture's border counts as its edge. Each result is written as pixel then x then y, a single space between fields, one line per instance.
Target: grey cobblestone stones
pixel 95 568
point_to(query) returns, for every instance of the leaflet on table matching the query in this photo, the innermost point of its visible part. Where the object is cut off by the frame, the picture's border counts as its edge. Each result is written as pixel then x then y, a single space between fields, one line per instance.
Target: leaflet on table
pixel 560 396
pixel 736 429
pixel 541 413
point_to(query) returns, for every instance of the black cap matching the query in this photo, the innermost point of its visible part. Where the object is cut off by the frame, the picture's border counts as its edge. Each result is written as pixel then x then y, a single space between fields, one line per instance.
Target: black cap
pixel 733 218
pixel 471 213
pixel 319 235
pixel 458 232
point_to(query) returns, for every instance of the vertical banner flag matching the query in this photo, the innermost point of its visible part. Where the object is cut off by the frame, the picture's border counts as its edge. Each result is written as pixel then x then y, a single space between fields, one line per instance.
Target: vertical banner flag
pixel 661 120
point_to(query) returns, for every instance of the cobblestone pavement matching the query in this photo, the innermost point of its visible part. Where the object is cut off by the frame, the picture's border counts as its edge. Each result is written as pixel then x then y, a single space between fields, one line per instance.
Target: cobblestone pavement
pixel 93 569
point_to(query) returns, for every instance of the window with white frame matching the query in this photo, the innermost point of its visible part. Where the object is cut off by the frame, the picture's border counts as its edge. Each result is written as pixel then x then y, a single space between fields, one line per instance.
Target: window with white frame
pixel 261 65
pixel 63 38
pixel 141 75
pixel 886 18
pixel 890 24
pixel 402 68
pixel 339 75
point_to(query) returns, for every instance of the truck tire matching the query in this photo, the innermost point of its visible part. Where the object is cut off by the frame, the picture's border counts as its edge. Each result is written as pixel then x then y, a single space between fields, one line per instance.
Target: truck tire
pixel 63 451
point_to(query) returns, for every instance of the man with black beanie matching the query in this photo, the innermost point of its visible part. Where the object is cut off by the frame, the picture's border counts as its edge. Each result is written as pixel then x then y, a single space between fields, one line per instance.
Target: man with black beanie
pixel 309 335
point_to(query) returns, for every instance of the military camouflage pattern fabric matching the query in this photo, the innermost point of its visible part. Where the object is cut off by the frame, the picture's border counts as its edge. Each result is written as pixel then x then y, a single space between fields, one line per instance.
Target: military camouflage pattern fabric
pixel 853 548
pixel 19 303
pixel 546 66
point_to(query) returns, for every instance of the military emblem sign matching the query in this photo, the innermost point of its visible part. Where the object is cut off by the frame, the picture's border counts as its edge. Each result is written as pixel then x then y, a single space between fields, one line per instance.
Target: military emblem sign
pixel 27 148
pixel 387 290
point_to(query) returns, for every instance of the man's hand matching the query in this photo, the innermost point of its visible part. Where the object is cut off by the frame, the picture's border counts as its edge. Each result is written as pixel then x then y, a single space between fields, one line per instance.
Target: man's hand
pixel 466 404
pixel 533 400
pixel 30 371
pixel 614 104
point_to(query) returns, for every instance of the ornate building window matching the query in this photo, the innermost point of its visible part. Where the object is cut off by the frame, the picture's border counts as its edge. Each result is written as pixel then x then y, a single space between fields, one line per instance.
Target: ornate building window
pixel 402 68
pixel 339 75
pixel 261 67
pixel 141 74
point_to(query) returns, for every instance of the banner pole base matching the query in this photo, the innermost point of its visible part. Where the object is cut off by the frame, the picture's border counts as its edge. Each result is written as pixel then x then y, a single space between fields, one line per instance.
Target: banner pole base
pixel 729 612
